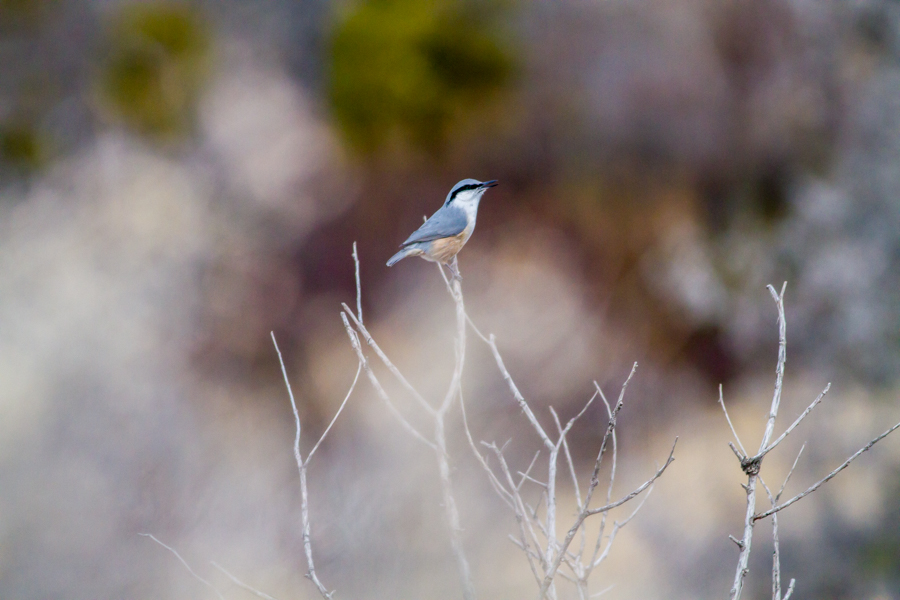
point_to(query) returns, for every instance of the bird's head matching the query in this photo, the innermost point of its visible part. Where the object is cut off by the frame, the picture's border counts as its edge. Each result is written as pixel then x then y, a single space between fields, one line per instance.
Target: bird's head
pixel 468 192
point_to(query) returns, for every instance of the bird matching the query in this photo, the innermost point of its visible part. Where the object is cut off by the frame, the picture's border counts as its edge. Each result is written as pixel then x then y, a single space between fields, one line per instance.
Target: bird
pixel 444 234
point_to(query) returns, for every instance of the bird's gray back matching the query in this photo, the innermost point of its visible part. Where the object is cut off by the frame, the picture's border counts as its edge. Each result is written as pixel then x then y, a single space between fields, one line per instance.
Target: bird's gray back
pixel 447 221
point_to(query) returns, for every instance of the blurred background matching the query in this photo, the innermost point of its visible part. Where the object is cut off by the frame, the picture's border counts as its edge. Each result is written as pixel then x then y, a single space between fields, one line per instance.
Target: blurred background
pixel 178 179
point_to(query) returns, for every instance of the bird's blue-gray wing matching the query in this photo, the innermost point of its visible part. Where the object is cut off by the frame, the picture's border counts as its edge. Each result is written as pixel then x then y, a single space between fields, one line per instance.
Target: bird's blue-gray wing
pixel 446 222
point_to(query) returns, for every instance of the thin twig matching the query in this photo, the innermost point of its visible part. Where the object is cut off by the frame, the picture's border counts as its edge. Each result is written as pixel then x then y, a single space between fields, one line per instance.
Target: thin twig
pixel 827 478
pixel 776 554
pixel 727 418
pixel 791 472
pixel 287 384
pixel 639 489
pixel 495 482
pixel 551 572
pixel 492 342
pixel 795 423
pixel 304 493
pixel 359 314
pixel 453 390
pixel 354 342
pixel 336 415
pixel 751 466
pixel 186 565
pixel 387 362
pixel 609 488
pixel 240 583
pixel 619 525
pixel 779 369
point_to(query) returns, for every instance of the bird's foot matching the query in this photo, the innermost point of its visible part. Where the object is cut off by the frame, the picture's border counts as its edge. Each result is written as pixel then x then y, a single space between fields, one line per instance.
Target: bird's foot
pixel 454 270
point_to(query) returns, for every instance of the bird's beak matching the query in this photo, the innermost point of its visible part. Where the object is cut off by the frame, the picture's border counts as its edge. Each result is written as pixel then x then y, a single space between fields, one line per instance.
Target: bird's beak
pixel 489 184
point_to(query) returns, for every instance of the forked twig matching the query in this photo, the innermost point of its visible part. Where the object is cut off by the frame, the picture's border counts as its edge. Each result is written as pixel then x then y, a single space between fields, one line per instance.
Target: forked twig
pixel 751 466
pixel 827 478
pixel 304 492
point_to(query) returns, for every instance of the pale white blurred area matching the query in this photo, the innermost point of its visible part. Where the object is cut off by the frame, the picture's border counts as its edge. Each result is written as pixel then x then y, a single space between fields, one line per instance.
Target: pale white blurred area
pixel 114 264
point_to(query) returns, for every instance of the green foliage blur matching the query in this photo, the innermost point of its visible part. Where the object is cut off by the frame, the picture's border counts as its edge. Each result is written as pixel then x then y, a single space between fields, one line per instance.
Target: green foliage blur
pixel 405 71
pixel 155 67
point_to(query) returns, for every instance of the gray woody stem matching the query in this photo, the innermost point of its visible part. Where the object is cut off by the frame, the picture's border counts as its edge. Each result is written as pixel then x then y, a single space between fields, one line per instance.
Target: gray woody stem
pixel 462 564
pixel 752 469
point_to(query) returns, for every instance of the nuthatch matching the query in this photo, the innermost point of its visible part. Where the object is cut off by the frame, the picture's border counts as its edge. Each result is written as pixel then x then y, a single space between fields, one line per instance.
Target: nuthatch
pixel 443 235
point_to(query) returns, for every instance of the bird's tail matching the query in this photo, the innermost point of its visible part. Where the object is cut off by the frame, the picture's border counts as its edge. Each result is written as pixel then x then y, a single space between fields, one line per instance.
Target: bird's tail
pixel 400 256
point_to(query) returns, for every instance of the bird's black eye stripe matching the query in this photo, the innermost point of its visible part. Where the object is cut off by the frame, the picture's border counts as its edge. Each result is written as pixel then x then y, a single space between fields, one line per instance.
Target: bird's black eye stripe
pixel 462 188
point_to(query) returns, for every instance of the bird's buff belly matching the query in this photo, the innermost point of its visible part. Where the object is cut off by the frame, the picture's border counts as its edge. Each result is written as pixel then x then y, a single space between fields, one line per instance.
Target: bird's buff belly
pixel 444 249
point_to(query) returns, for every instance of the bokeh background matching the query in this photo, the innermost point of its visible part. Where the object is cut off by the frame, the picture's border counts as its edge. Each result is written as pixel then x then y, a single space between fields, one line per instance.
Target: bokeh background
pixel 178 179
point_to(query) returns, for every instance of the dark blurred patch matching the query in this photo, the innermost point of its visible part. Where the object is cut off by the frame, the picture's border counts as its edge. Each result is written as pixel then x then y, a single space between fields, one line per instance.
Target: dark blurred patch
pixel 18 14
pixel 405 71
pixel 155 67
pixel 709 350
pixel 21 146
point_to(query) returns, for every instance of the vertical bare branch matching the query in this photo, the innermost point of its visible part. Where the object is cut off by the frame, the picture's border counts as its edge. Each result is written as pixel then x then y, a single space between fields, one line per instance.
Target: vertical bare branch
pixel 304 493
pixel 453 523
pixel 776 554
pixel 779 368
pixel 751 467
pixel 358 285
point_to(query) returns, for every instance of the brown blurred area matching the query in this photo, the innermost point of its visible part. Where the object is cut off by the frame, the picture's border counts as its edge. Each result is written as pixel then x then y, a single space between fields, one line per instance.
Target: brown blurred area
pixel 178 179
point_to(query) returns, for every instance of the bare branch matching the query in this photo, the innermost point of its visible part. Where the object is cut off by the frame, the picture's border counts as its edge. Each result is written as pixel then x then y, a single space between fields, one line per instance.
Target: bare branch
pixel 454 390
pixel 551 572
pixel 779 369
pixel 751 466
pixel 791 472
pixel 619 525
pixel 609 488
pixel 336 415
pixel 358 286
pixel 186 565
pixel 240 583
pixel 796 422
pixel 525 475
pixel 304 495
pixel 827 478
pixel 492 342
pixel 640 488
pixel 526 528
pixel 354 342
pixel 307 537
pixel 776 554
pixel 387 362
pixel 287 384
pixel 610 428
pixel 495 482
pixel 733 432
pixel 741 458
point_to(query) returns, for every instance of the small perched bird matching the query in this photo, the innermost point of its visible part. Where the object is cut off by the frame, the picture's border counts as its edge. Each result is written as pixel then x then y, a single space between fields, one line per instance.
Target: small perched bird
pixel 443 235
